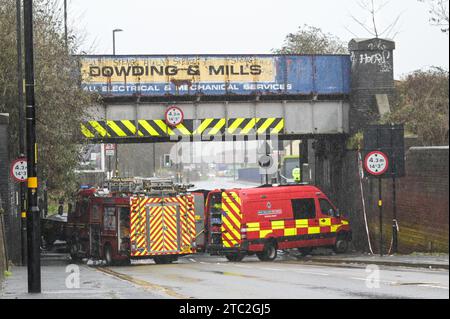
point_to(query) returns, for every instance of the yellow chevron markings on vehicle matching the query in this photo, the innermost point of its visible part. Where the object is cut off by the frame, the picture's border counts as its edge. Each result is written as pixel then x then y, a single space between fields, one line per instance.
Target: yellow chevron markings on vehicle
pixel 232 214
pixel 231 227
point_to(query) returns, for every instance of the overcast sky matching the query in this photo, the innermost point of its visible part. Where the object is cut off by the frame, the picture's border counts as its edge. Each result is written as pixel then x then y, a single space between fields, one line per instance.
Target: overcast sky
pixel 249 26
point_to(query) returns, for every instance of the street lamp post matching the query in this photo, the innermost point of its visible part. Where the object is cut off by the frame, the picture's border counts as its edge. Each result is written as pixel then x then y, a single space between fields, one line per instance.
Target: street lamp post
pixel 33 218
pixel 114 39
pixel 116 172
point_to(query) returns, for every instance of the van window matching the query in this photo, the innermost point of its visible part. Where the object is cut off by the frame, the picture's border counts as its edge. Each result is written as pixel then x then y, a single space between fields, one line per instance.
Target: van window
pixel 304 208
pixel 326 208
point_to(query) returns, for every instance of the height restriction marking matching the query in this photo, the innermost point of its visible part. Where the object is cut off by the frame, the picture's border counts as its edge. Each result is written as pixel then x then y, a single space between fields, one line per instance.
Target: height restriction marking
pixel 376 163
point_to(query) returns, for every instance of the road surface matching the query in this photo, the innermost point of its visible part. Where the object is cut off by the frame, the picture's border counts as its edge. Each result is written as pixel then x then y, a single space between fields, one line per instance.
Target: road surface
pixel 203 276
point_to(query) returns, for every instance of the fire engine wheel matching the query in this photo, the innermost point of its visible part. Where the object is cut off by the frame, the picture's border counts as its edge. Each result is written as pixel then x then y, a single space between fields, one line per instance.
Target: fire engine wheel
pixel 341 245
pixel 235 257
pixel 162 260
pixel 269 253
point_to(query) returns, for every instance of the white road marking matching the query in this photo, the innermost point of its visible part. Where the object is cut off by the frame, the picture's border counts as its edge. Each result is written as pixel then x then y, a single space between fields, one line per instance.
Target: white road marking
pixel 311 272
pixel 272 269
pixel 376 280
pixel 193 260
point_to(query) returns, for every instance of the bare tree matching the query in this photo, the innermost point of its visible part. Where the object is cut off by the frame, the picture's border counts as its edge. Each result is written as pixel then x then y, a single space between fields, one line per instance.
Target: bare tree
pixel 438 10
pixel 369 23
pixel 311 40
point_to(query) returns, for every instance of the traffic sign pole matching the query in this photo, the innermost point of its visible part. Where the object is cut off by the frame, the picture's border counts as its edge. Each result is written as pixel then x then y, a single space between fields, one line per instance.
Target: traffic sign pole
pixel 376 163
pixel 380 207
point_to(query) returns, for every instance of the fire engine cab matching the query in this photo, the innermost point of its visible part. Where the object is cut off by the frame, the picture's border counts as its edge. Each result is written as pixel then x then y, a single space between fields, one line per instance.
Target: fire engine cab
pixel 240 222
pixel 132 219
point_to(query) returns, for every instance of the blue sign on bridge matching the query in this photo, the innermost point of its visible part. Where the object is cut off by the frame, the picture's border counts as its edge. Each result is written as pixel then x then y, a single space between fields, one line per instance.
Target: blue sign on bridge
pixel 216 75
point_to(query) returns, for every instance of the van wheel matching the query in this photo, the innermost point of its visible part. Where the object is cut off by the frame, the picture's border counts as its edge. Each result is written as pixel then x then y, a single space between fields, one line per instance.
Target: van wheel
pixel 341 245
pixel 235 257
pixel 269 253
pixel 304 251
pixel 163 260
pixel 107 255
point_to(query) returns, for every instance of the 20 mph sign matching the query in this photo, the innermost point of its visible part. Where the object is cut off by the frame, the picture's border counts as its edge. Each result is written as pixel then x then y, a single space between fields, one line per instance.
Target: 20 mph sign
pixel 376 163
pixel 19 170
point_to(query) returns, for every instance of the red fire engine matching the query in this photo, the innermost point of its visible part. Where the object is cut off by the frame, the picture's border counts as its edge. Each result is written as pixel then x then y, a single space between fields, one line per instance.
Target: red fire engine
pixel 241 222
pixel 131 219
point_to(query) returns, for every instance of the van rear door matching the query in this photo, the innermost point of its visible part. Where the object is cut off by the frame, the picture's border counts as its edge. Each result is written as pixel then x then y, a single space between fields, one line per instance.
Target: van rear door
pixel 231 219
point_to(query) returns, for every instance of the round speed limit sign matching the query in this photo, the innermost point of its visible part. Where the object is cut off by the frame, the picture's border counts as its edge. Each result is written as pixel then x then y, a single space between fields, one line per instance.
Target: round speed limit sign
pixel 376 163
pixel 174 116
pixel 19 170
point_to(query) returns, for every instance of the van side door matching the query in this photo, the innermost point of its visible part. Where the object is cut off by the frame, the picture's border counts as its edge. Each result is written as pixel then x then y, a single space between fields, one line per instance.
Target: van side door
pixel 305 212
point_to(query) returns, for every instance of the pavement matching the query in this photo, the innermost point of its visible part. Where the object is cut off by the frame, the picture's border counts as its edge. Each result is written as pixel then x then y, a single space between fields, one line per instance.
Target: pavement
pixel 416 260
pixel 56 283
pixel 202 276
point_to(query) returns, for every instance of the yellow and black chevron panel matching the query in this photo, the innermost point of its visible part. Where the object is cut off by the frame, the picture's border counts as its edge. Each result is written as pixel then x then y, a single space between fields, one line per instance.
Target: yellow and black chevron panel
pixel 231 219
pixel 243 126
pixel 161 226
pixel 205 127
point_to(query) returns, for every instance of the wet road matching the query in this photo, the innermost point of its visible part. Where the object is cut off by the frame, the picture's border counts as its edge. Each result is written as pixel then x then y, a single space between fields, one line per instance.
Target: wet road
pixel 203 276
pixel 214 277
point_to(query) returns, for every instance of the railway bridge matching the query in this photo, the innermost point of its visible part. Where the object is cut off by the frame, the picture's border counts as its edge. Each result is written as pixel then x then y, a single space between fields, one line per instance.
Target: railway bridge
pixel 318 99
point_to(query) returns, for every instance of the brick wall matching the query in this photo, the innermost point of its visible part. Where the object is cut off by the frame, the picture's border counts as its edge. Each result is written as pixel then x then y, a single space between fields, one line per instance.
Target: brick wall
pixel 422 203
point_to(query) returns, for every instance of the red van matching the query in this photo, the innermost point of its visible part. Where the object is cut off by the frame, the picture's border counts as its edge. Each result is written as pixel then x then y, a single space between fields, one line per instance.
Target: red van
pixel 240 222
